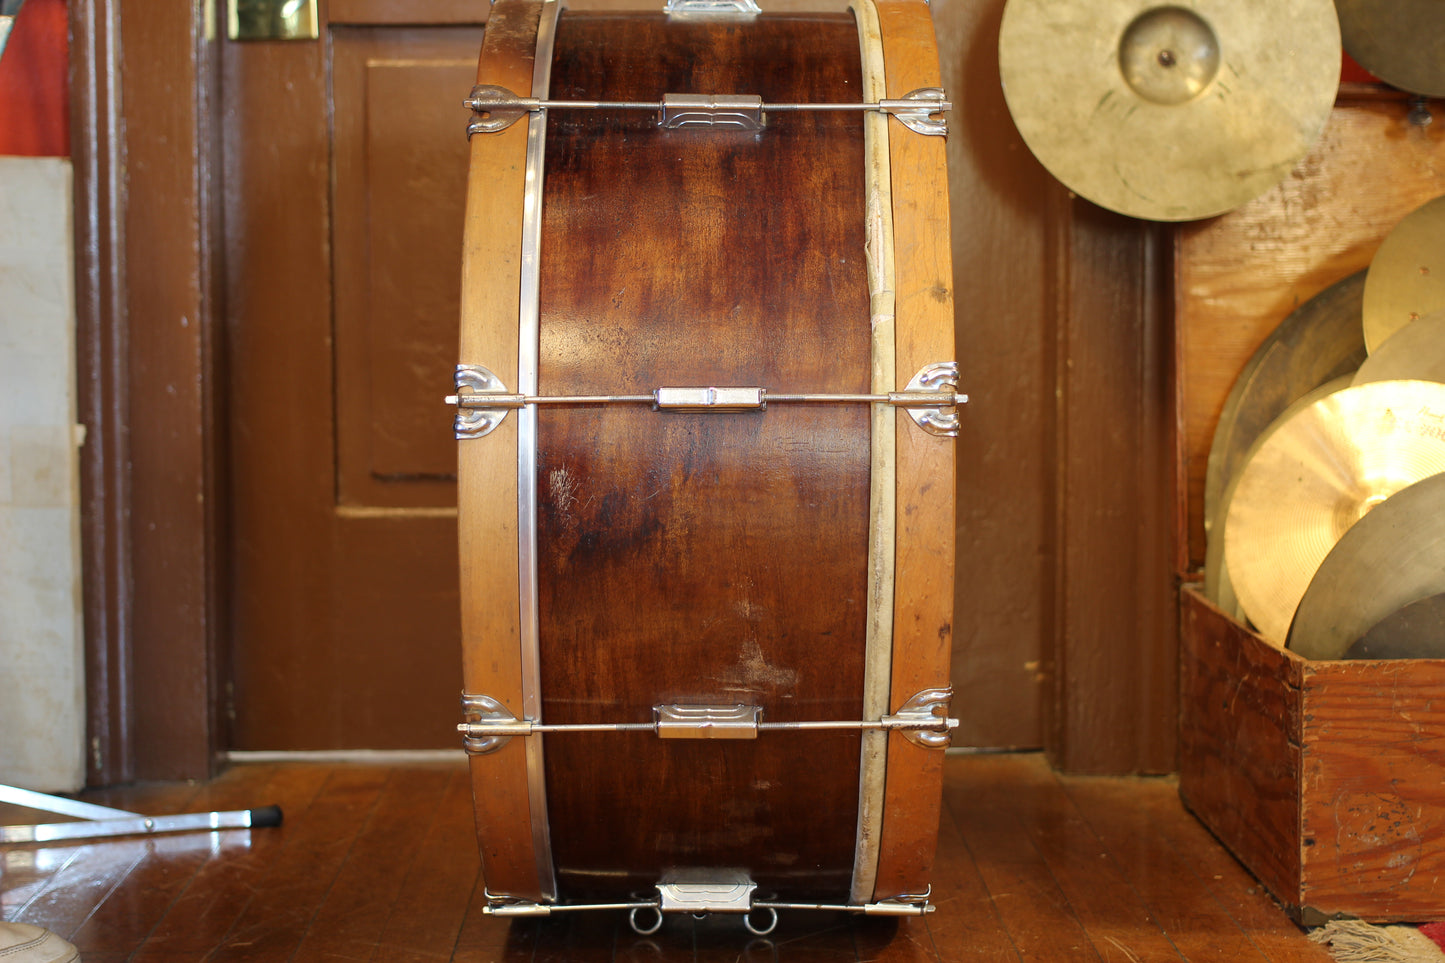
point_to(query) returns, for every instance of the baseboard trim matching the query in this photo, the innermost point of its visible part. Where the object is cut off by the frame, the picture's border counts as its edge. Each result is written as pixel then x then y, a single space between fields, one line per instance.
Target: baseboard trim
pixel 363 757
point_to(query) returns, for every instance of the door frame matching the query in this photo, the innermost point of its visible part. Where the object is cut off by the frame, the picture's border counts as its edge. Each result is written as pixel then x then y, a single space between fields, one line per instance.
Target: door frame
pixel 147 233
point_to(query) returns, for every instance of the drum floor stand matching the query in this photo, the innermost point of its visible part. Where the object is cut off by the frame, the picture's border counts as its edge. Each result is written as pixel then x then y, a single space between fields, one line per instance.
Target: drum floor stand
pixel 700 893
pixel 93 822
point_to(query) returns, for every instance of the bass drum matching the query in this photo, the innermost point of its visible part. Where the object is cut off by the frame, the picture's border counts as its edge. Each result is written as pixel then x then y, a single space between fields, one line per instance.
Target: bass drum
pixel 706 648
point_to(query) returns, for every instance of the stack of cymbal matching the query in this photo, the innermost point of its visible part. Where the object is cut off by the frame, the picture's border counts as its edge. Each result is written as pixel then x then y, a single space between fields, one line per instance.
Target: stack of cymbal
pixel 1325 497
pixel 1400 41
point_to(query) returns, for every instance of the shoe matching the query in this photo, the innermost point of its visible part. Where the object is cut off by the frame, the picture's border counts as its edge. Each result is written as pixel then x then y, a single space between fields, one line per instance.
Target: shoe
pixel 23 943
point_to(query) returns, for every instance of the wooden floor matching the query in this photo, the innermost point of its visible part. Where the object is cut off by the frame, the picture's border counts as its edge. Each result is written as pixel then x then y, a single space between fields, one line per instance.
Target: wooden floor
pixel 379 863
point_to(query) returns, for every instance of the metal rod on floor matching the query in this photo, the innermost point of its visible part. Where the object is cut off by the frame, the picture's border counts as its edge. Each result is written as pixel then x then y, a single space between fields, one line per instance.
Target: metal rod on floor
pixel 93 822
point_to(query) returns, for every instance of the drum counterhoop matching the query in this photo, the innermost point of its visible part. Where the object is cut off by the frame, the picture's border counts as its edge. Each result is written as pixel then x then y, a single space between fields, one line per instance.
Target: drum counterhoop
pixel 768 595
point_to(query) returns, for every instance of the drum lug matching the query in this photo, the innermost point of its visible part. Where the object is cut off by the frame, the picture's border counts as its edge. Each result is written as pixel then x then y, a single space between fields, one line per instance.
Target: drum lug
pixel 707 722
pixel 709 399
pixel 706 891
pixel 921 111
pixel 732 111
pixel 496 108
pixel 942 419
pixel 483 710
pixel 924 720
pixel 712 8
pixel 475 422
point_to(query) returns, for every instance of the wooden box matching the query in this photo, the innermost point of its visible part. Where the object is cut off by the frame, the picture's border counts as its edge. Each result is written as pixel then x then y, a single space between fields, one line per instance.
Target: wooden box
pixel 1326 779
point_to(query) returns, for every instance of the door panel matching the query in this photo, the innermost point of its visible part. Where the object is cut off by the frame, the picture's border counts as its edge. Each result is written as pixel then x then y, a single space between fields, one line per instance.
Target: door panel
pixel 345 169
pixel 400 174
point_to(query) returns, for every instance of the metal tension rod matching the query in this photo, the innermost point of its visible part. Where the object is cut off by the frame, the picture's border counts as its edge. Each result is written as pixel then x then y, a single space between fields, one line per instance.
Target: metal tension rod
pixel 713 398
pixel 931 399
pixel 497 108
pixel 94 822
pixel 923 720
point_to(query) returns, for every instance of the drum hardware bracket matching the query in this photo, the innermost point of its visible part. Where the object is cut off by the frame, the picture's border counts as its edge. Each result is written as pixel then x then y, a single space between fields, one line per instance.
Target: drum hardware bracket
pixel 922 719
pixel 931 399
pixel 496 108
pixel 700 892
pixel 739 111
pixel 731 9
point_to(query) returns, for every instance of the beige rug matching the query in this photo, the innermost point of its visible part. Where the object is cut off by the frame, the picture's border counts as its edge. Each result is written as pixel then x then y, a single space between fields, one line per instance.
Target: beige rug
pixel 1351 941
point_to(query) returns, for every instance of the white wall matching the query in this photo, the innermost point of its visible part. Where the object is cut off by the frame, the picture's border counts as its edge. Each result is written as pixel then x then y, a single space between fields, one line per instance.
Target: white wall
pixel 42 710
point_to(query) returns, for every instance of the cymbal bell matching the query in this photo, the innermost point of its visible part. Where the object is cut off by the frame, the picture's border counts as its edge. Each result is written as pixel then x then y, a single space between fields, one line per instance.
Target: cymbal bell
pixel 1393 556
pixel 1168 112
pixel 1314 477
pixel 1400 41
pixel 1406 279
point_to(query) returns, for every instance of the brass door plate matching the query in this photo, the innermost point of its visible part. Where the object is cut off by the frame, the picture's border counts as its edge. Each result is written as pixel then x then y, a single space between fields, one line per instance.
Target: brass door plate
pixel 273 20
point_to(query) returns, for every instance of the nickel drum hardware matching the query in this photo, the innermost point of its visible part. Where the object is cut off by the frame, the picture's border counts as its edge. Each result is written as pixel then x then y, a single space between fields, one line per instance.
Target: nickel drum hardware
pixel 707 408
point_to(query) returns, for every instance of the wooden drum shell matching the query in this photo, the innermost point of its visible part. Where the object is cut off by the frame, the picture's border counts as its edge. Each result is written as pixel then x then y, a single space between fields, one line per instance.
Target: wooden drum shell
pixel 703 558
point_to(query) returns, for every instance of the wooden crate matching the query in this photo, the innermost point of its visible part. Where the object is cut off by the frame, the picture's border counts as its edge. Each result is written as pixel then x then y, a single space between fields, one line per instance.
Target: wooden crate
pixel 1326 779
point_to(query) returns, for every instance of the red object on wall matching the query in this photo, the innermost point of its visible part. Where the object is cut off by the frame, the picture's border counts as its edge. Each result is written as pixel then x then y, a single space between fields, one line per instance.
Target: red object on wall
pixel 35 83
pixel 1352 72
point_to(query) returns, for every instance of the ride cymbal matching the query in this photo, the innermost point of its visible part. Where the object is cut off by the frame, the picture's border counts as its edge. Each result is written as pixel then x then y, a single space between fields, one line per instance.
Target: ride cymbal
pixel 1218 587
pixel 1400 41
pixel 1393 556
pixel 1314 477
pixel 1165 112
pixel 1415 631
pixel 1406 279
pixel 1319 342
pixel 1416 352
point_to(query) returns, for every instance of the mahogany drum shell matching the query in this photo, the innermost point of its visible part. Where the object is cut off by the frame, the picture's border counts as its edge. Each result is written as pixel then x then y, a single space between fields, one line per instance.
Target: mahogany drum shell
pixel 700 557
pixel 705 558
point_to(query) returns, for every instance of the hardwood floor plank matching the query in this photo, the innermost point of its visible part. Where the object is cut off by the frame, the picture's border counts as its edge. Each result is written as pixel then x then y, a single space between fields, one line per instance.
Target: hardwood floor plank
pixel 1032 907
pixel 147 798
pixel 432 904
pixel 201 916
pixel 59 887
pixel 25 871
pixel 381 864
pixel 71 895
pixel 1201 927
pixel 1219 873
pixel 1117 922
pixel 966 925
pixel 914 940
pixel 122 922
pixel 291 889
pixel 352 916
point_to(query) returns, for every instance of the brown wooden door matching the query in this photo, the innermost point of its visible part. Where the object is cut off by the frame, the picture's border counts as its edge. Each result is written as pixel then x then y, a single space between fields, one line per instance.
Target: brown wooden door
pixel 345 166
